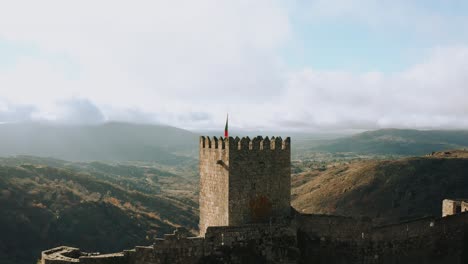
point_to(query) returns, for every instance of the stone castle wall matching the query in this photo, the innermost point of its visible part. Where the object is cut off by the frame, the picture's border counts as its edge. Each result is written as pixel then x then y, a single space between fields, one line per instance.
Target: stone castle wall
pixel 454 206
pixel 175 248
pixel 426 240
pixel 214 184
pixel 246 244
pixel 70 255
pixel 259 180
pixel 306 239
pixel 243 181
pixel 332 239
pixel 336 227
pixel 464 206
pixel 260 243
pixel 449 207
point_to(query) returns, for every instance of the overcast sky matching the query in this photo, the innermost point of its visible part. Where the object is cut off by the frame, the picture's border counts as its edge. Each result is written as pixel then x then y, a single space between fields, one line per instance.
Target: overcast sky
pixel 291 65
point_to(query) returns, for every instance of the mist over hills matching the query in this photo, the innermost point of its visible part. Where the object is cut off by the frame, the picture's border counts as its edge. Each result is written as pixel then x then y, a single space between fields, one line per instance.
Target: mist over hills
pixel 108 141
pixel 171 146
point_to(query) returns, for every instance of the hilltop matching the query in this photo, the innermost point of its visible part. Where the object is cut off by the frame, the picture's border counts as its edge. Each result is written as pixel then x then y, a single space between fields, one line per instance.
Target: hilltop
pixel 387 190
pixel 396 142
pixel 174 146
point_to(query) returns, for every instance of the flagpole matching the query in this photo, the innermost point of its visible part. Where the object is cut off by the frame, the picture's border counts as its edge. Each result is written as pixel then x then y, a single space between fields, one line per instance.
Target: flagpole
pixel 226 131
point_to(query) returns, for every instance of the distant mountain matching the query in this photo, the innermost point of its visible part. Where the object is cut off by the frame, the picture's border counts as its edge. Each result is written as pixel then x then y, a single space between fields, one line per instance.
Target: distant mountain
pixel 397 142
pixel 387 190
pixel 109 142
pixel 94 206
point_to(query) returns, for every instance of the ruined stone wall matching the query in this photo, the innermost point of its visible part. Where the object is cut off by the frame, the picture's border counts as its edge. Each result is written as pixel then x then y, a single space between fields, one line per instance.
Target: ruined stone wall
pixel 259 179
pixel 449 207
pixel 464 206
pixel 214 191
pixel 60 255
pixel 69 255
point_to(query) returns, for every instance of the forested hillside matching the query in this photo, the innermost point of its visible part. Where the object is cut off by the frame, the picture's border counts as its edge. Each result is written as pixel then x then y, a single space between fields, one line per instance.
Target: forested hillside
pixel 101 208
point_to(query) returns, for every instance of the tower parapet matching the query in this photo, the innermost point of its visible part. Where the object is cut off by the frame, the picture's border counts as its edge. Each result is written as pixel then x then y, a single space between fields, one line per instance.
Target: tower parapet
pixel 244 180
pixel 245 143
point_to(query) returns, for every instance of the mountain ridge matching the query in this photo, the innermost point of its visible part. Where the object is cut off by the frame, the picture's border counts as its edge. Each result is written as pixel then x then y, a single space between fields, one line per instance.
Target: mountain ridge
pixel 112 141
pixel 397 142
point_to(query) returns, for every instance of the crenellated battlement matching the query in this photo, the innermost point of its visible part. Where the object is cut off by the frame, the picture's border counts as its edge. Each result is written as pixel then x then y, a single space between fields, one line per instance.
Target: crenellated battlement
pixel 245 143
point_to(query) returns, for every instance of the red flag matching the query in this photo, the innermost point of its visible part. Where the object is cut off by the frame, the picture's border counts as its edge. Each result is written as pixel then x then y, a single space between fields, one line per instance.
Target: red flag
pixel 226 134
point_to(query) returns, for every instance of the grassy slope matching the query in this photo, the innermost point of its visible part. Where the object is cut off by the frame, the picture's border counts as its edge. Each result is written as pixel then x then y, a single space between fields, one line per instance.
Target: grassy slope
pixel 388 190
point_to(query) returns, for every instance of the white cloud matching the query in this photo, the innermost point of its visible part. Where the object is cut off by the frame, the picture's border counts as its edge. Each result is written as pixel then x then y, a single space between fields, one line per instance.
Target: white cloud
pixel 428 95
pixel 187 63
pixel 147 55
pixel 78 111
pixel 14 112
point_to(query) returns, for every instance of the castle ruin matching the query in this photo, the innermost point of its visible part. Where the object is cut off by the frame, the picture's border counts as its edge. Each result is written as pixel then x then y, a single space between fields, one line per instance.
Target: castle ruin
pixel 244 181
pixel 245 217
pixel 454 206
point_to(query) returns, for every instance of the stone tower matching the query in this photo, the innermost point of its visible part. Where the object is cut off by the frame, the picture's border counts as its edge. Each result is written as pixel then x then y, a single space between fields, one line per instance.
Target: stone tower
pixel 244 181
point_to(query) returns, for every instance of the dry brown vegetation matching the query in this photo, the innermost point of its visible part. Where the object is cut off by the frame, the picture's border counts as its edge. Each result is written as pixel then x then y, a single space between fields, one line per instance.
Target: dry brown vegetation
pixel 387 190
pixel 102 208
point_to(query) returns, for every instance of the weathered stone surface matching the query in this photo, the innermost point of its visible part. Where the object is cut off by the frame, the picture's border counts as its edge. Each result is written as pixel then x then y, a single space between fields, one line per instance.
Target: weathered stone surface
pixel 427 240
pixel 305 239
pixel 69 255
pixel 454 206
pixel 214 184
pixel 247 181
pixel 60 255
